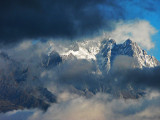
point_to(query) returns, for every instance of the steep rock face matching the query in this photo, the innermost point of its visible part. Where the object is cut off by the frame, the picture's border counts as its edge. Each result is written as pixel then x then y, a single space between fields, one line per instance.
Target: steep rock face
pixel 109 50
pixel 104 56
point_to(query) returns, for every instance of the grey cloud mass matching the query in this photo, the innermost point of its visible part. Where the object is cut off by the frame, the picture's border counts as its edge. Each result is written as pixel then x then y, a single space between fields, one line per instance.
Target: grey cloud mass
pixel 53 18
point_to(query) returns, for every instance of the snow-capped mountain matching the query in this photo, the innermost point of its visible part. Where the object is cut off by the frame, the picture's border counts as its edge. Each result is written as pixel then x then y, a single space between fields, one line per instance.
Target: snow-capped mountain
pixel 105 52
pixel 109 50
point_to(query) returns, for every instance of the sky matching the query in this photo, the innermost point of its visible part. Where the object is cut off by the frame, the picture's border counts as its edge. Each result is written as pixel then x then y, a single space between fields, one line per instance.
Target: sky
pixel 148 10
pixel 30 31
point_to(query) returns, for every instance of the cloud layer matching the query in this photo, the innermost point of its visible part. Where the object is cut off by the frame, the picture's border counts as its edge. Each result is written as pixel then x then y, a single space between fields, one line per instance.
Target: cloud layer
pixel 101 107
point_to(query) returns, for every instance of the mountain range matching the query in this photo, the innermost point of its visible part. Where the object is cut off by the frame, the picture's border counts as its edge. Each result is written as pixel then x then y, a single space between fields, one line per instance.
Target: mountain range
pixel 20 88
pixel 105 52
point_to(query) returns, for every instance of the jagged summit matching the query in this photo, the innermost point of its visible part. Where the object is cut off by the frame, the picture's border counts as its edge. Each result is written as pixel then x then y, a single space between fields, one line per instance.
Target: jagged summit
pixel 110 50
pixel 105 52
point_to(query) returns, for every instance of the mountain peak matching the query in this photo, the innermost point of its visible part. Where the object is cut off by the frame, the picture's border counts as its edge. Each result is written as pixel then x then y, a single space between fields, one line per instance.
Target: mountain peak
pixel 110 50
pixel 128 41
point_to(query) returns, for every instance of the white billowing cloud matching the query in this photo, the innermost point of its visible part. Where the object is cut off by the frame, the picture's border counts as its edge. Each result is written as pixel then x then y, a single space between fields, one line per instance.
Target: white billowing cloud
pixel 139 31
pixel 75 108
pixel 101 107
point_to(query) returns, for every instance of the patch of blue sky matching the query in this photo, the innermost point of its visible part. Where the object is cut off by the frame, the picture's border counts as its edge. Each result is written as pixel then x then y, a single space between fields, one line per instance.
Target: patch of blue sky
pixel 148 10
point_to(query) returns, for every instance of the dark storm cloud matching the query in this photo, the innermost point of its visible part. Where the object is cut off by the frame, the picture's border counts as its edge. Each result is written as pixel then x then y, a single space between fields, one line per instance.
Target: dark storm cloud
pixel 140 78
pixel 149 77
pixel 55 18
